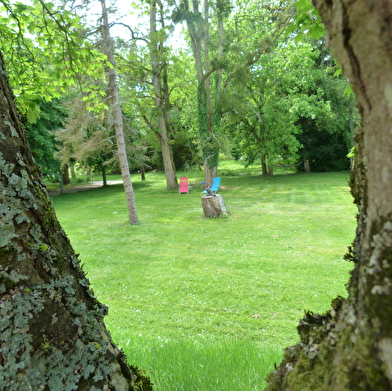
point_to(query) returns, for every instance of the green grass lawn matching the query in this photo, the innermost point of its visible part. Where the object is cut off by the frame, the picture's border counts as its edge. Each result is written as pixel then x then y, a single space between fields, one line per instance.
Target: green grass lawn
pixel 208 304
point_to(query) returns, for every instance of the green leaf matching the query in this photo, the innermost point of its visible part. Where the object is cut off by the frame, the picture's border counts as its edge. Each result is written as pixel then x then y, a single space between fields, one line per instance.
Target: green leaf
pixel 352 152
pixel 338 72
pixel 292 27
pixel 300 4
pixel 316 31
pixel 348 90
pixel 299 38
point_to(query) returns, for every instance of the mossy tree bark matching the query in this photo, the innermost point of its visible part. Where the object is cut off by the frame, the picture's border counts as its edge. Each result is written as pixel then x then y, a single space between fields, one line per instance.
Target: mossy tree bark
pixel 350 347
pixel 52 335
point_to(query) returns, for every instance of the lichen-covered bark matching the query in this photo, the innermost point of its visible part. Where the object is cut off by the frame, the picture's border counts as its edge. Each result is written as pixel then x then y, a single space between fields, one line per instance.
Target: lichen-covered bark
pixel 52 336
pixel 350 347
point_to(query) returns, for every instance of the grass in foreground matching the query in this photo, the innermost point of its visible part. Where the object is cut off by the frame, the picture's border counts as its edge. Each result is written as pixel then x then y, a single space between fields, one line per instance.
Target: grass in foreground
pixel 185 288
pixel 207 366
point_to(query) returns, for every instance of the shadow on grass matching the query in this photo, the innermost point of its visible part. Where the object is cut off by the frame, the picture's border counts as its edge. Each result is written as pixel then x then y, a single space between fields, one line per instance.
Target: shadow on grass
pixel 90 188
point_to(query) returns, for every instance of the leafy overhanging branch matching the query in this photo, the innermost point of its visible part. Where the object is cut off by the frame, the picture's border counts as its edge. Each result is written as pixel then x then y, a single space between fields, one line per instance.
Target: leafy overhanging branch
pixel 48 54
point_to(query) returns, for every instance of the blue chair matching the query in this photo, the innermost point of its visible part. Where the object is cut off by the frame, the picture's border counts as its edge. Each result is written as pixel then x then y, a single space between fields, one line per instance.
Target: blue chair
pixel 215 186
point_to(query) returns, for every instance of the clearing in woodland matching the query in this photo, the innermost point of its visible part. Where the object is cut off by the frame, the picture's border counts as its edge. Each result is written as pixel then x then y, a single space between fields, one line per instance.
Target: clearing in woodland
pixel 208 304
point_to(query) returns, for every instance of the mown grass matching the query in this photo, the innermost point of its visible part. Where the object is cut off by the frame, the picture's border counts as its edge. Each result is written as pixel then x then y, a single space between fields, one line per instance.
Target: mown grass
pixel 208 304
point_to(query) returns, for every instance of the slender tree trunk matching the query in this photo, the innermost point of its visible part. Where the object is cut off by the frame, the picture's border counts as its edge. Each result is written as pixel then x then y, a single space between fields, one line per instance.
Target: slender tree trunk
pixel 209 173
pixel 118 120
pixel 306 166
pixel 270 170
pixel 220 55
pixel 161 98
pixel 52 334
pixel 195 28
pixel 62 186
pixel 350 347
pixel 264 170
pixel 142 172
pixel 72 168
pixel 66 180
pixel 104 178
pixel 211 147
pixel 207 83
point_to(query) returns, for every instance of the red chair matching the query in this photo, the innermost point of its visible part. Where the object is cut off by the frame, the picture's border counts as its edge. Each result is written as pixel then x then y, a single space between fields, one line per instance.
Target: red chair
pixel 184 185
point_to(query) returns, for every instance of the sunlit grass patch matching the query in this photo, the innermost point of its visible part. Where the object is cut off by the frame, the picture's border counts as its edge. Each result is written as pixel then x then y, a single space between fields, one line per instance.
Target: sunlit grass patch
pixel 205 366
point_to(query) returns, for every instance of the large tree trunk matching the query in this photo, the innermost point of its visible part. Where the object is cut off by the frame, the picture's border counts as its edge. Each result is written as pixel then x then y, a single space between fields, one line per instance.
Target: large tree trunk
pixel 168 163
pixel 350 347
pixel 52 334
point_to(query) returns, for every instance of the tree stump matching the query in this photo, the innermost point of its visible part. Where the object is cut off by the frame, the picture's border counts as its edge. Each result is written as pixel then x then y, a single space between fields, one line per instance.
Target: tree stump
pixel 213 206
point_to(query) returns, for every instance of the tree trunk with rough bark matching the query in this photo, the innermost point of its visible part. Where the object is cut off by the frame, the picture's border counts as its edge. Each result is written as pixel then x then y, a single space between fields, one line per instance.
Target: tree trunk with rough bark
pixel 350 347
pixel 52 334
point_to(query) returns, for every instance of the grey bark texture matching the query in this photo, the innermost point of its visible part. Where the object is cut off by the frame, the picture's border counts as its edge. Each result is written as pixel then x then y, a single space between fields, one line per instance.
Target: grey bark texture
pixel 350 347
pixel 52 335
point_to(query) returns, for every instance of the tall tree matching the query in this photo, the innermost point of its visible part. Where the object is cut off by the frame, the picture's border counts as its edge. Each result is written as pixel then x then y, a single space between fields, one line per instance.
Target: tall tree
pixel 115 108
pixel 349 348
pixel 161 89
pixel 146 88
pixel 251 34
pixel 51 330
pixel 198 23
pixel 327 137
pixel 270 97
pixel 86 138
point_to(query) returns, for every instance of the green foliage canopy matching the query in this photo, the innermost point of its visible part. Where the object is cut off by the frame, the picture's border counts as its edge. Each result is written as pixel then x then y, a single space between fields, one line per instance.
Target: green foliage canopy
pixel 41 136
pixel 46 50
